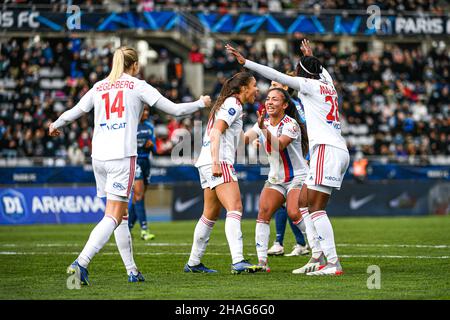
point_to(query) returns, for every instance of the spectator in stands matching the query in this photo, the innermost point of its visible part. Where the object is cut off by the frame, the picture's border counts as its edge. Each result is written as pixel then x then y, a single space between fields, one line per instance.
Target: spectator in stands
pixel 403 91
pixel 359 167
pixel 195 56
pixel 76 156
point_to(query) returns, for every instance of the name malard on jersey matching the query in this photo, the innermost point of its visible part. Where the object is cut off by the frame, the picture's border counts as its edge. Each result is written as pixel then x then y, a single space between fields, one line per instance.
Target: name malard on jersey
pixel 328 91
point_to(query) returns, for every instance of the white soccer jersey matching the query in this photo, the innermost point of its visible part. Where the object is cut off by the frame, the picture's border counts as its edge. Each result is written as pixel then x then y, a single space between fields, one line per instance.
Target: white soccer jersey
pixel 320 101
pixel 288 163
pixel 117 110
pixel 231 113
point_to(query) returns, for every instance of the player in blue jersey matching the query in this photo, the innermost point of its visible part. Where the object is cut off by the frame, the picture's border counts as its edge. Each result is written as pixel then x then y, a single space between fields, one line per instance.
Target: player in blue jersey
pixel 146 143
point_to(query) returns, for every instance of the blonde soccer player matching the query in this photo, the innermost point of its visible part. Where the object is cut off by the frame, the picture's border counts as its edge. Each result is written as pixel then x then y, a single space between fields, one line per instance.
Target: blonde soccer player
pixel 218 177
pixel 285 142
pixel 328 150
pixel 118 104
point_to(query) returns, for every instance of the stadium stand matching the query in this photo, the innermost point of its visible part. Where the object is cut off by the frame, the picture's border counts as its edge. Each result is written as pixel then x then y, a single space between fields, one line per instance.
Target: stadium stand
pixel 225 6
pixel 395 103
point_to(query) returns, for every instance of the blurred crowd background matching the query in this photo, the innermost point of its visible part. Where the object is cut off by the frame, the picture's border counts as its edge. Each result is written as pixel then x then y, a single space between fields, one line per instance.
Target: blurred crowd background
pixel 394 103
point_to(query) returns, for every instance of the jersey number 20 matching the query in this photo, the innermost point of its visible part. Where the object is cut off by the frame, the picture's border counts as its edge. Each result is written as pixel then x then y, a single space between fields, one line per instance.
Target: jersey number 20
pixel 117 105
pixel 333 115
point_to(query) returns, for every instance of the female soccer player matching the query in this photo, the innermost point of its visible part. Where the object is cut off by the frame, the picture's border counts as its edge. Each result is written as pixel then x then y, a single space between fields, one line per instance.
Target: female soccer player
pixel 281 216
pixel 282 137
pixel 328 150
pixel 217 176
pixel 118 102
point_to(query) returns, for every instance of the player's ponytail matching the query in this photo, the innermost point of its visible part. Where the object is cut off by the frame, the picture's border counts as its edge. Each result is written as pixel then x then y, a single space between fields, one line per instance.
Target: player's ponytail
pixel 230 87
pixel 123 59
pixel 292 112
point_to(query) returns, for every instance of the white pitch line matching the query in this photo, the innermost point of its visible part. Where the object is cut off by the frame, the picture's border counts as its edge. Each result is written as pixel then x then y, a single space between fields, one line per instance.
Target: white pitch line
pixel 183 244
pixel 440 246
pixel 219 254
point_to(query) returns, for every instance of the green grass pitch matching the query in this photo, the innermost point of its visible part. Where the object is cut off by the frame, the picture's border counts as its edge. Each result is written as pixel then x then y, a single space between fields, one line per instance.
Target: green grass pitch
pixel 413 255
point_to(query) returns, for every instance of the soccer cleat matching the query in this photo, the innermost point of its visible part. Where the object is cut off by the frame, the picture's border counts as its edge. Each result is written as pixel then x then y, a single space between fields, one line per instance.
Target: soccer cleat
pixel 298 250
pixel 264 266
pixel 312 265
pixel 136 277
pixel 200 268
pixel 331 269
pixel 78 270
pixel 146 235
pixel 244 266
pixel 276 250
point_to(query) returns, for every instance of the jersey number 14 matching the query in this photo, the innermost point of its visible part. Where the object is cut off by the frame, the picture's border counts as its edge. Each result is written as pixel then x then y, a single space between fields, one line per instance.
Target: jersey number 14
pixel 117 105
pixel 333 115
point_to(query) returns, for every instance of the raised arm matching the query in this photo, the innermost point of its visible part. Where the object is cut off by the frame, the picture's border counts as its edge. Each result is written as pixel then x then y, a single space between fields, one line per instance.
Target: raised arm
pixel 307 51
pixel 179 109
pixel 83 106
pixel 265 71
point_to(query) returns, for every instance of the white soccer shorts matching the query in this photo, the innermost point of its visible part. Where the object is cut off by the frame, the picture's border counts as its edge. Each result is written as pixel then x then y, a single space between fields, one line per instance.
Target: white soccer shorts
pixel 286 187
pixel 327 166
pixel 114 176
pixel 207 180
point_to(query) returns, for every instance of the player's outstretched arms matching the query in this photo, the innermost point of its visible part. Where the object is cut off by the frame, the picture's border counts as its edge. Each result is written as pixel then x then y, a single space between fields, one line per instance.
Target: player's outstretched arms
pixel 179 109
pixel 64 119
pixel 83 106
pixel 265 71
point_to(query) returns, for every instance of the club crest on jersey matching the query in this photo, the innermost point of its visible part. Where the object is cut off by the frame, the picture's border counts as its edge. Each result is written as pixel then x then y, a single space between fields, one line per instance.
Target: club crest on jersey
pixel 280 129
pixel 231 111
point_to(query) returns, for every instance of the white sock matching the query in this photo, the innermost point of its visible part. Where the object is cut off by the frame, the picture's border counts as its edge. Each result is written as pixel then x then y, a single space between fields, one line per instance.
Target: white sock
pixel 311 234
pixel 98 238
pixel 326 236
pixel 262 235
pixel 234 235
pixel 201 237
pixel 125 246
pixel 301 226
